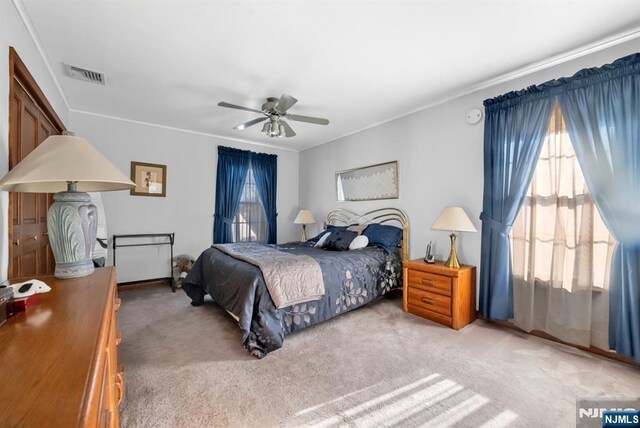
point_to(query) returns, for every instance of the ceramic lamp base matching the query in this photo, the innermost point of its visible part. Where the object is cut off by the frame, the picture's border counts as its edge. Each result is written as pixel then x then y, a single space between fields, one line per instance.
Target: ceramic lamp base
pixel 72 224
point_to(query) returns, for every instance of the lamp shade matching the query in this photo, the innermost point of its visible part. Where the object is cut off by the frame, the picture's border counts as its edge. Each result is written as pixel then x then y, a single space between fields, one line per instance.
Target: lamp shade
pixel 453 219
pixel 60 159
pixel 304 217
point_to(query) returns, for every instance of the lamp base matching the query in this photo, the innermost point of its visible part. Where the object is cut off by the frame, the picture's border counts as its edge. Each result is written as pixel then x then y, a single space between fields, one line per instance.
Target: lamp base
pixel 72 224
pixel 303 238
pixel 74 269
pixel 452 261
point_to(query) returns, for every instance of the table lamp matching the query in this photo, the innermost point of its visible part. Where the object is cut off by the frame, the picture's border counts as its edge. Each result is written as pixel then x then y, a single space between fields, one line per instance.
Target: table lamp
pixel 304 218
pixel 70 166
pixel 453 219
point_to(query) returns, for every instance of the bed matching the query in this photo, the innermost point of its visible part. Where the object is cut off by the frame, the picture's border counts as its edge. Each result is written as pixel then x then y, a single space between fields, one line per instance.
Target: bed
pixel 240 278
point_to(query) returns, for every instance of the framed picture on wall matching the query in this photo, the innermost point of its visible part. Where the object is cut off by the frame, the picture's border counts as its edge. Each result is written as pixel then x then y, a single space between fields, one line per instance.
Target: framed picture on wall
pixel 150 179
pixel 368 183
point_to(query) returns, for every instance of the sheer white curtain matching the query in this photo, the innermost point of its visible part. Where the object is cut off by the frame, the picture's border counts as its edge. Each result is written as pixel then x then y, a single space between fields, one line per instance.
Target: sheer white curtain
pixel 561 249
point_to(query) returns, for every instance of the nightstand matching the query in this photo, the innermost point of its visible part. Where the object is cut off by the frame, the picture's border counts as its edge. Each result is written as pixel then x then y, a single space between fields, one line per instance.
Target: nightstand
pixel 439 293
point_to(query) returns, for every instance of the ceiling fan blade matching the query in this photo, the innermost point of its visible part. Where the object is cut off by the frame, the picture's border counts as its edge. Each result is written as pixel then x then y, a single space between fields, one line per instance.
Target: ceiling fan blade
pixel 284 103
pixel 227 105
pixel 308 119
pixel 288 131
pixel 250 123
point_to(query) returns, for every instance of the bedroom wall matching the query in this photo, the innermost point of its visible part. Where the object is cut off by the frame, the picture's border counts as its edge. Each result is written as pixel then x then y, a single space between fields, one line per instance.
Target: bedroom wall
pixel 440 160
pixel 440 163
pixel 14 33
pixel 188 207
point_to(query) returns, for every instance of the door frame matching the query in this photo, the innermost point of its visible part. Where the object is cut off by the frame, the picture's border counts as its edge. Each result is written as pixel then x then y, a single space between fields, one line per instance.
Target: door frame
pixel 19 75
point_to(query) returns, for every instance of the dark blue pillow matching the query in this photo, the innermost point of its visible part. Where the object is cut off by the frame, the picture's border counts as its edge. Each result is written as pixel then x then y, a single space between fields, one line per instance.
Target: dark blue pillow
pixel 380 235
pixel 330 228
pixel 339 240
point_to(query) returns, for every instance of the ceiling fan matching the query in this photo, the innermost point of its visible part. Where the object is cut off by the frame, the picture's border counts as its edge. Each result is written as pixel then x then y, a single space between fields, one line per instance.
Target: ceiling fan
pixel 275 110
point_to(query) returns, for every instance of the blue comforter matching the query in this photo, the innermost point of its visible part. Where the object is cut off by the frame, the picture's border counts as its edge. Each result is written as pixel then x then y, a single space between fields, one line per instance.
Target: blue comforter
pixel 351 279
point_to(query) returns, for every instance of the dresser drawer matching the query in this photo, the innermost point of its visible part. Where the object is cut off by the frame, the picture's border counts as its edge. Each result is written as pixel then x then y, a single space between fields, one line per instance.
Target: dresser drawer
pixel 430 282
pixel 432 301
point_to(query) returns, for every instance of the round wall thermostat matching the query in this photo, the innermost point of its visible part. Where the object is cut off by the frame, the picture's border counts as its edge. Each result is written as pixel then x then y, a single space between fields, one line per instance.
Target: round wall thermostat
pixel 474 116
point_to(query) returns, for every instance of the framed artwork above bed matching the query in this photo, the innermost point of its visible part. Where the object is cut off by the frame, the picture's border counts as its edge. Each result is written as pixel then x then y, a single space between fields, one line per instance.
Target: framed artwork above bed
pixel 368 183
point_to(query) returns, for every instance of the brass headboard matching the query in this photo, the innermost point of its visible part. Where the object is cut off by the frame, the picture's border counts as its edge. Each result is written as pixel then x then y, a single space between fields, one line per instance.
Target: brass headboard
pixel 381 215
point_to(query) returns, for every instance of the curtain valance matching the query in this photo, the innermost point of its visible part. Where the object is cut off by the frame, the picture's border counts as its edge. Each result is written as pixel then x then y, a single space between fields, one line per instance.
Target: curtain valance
pixel 619 68
pixel 230 151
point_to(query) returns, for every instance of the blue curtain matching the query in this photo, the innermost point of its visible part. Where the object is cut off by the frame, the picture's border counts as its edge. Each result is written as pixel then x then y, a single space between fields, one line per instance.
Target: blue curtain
pixel 602 111
pixel 515 127
pixel 265 173
pixel 233 166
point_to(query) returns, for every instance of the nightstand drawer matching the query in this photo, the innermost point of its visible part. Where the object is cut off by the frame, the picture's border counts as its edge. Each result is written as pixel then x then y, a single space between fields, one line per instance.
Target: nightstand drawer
pixel 432 301
pixel 430 282
pixel 430 315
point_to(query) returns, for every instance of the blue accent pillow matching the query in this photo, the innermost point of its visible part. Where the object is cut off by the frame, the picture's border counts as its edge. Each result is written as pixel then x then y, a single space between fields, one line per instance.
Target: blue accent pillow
pixel 339 240
pixel 330 228
pixel 380 235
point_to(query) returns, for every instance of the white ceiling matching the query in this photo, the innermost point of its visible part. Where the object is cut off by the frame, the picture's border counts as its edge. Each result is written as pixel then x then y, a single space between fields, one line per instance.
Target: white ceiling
pixel 356 63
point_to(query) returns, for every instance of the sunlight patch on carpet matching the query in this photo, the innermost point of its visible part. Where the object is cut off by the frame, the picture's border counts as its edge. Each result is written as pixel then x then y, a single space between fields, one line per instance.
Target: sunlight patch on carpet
pixel 431 401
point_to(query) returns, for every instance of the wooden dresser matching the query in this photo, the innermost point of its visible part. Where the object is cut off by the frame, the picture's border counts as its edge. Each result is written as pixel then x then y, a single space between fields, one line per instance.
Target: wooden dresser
pixel 439 293
pixel 59 360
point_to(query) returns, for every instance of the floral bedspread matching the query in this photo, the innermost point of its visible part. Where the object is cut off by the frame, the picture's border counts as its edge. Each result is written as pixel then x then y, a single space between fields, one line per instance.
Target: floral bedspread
pixel 351 278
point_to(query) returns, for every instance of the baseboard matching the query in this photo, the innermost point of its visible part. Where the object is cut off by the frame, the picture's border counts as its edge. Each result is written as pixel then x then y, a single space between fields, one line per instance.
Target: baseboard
pixel 132 285
pixel 591 349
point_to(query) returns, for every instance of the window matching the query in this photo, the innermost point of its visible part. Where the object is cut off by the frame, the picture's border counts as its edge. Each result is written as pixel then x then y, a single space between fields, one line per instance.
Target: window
pixel 559 238
pixel 249 224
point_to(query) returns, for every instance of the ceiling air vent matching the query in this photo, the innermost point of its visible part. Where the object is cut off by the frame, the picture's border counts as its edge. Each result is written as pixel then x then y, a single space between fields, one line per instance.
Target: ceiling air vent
pixel 84 74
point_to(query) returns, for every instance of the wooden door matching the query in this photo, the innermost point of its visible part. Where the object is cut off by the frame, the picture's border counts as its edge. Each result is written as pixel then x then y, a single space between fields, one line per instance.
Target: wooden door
pixel 30 253
pixel 31 121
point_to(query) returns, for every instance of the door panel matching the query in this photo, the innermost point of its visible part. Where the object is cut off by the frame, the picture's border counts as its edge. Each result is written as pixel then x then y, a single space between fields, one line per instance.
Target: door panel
pixel 30 252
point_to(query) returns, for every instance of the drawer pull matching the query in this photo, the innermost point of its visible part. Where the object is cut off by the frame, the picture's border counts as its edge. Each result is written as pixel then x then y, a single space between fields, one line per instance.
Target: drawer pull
pixel 427 300
pixel 427 282
pixel 118 303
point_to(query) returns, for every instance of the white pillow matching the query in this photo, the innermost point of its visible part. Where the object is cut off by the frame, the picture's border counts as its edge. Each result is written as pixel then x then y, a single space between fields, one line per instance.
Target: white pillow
pixel 359 242
pixel 323 238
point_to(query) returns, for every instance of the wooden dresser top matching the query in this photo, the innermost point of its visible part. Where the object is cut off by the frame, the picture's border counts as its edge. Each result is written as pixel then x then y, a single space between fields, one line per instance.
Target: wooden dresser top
pixel 48 353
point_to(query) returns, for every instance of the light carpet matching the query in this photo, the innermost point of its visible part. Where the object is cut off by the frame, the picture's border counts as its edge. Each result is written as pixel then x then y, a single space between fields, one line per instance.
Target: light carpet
pixel 376 366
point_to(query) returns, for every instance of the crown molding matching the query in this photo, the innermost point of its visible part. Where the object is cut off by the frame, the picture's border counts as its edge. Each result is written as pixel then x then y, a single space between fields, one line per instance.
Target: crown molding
pixel 26 20
pixel 600 45
pixel 187 131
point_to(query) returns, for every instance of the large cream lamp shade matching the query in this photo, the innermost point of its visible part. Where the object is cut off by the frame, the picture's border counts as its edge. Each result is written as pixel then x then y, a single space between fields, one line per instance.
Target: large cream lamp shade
pixel 455 220
pixel 70 166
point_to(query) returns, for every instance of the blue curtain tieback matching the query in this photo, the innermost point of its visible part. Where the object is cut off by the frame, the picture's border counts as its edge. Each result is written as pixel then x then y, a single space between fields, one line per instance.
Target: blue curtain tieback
pixel 226 220
pixel 495 225
pixel 273 217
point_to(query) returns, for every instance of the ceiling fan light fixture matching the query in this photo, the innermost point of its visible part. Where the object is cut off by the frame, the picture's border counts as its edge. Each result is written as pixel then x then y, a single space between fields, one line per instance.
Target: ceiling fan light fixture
pixel 273 129
pixel 266 129
pixel 274 110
